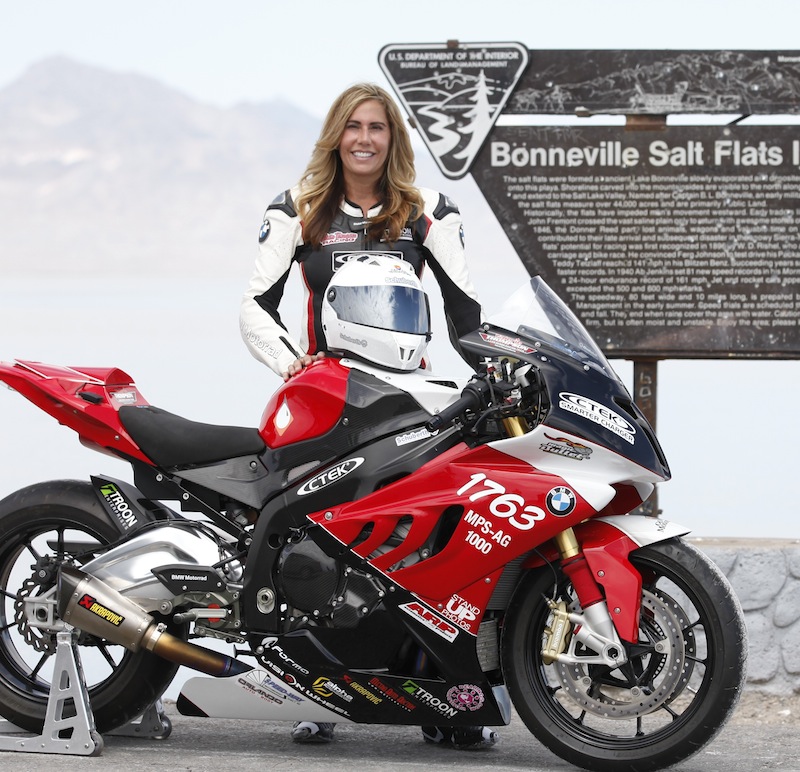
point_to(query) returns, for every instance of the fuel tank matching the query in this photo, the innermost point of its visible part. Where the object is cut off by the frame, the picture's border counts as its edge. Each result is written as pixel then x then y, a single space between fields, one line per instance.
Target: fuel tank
pixel 307 406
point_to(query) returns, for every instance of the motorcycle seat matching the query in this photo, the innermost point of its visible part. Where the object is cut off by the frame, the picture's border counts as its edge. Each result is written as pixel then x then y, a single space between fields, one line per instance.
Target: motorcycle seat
pixel 172 441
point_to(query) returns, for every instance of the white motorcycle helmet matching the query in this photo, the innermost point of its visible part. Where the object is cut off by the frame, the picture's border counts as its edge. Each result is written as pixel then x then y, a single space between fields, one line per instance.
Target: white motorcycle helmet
pixel 375 309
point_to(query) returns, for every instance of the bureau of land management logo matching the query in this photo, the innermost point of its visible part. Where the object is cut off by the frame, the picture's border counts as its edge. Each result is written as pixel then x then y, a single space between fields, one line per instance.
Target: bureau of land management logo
pixel 454 92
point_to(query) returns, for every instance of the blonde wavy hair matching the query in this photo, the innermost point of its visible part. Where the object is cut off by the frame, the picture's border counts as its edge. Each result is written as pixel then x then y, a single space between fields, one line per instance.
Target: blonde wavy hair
pixel 322 183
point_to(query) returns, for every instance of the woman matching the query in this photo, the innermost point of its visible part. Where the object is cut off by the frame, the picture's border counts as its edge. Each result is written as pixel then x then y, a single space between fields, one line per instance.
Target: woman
pixel 356 195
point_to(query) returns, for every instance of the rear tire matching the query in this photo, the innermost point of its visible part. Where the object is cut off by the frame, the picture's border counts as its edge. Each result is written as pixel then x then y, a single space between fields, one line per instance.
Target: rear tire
pixel 681 683
pixel 41 527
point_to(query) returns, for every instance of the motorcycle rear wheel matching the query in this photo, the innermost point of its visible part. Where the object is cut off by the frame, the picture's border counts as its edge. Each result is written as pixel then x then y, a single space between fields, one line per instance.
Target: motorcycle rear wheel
pixel 41 527
pixel 681 684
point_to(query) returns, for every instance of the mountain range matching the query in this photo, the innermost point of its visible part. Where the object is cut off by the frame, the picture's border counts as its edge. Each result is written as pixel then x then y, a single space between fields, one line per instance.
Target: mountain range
pixel 114 173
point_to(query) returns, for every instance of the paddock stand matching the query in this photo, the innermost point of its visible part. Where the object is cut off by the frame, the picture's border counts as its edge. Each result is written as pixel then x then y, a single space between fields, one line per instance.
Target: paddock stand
pixel 69 727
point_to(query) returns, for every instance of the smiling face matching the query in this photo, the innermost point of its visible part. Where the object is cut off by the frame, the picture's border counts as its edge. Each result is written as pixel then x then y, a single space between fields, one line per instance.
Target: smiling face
pixel 364 146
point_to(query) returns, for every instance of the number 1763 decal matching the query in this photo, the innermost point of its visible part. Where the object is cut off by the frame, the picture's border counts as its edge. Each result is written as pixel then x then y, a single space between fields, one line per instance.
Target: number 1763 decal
pixel 510 507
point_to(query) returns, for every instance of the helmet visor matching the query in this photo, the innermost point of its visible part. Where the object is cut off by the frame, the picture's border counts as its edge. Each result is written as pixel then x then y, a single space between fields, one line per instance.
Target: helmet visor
pixel 388 307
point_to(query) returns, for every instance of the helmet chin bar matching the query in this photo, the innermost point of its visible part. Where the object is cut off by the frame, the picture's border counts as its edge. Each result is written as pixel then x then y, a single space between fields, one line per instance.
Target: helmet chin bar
pixel 375 310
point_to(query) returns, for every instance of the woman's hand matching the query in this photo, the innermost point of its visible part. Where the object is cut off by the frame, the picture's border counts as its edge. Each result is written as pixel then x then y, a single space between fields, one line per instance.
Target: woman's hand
pixel 302 362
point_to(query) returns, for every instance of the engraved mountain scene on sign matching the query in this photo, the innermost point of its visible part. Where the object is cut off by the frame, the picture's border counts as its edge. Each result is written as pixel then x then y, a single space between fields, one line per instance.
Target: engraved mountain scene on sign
pixel 658 82
pixel 454 94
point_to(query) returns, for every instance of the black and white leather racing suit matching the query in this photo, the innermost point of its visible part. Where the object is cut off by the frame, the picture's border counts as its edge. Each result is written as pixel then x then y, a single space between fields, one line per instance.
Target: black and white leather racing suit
pixel 435 239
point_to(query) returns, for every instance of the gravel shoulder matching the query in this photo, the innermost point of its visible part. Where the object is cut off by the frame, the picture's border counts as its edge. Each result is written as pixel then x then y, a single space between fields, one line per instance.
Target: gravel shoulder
pixel 768 709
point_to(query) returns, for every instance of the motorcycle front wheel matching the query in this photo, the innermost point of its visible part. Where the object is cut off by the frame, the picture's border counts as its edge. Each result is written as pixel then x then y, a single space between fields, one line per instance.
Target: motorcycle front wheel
pixel 40 528
pixel 682 680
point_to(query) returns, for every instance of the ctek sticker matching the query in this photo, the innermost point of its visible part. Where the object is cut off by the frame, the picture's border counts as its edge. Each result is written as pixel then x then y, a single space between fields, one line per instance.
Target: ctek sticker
pixel 430 620
pixel 91 604
pixel 600 414
pixel 330 476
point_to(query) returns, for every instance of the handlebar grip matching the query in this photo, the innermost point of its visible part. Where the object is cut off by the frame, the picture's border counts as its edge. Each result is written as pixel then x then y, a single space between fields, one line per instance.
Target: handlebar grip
pixel 470 399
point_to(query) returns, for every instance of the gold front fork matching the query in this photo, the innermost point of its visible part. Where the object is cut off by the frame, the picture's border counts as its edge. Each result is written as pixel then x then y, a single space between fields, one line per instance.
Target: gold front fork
pixel 567 544
pixel 515 426
pixel 557 635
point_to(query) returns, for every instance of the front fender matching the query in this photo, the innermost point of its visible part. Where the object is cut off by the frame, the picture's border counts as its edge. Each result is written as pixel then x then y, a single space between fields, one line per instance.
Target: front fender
pixel 641 529
pixel 606 543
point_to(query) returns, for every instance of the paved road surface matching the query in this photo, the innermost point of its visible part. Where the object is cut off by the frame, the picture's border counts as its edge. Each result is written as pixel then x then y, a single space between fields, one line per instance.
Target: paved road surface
pixel 758 738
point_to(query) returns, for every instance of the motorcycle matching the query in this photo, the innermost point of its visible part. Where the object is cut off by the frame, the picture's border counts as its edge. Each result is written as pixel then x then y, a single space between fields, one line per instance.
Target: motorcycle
pixel 394 548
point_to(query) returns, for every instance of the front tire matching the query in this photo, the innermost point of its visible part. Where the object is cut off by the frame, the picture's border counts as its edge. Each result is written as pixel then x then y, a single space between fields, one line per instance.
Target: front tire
pixel 681 683
pixel 41 527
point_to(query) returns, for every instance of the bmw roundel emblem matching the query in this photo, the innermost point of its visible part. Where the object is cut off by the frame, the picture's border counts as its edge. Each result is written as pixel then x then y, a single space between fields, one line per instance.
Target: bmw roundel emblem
pixel 264 232
pixel 561 501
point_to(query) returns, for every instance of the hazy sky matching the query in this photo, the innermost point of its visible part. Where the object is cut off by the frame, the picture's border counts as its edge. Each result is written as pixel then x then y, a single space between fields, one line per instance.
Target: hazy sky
pixel 727 448
pixel 306 52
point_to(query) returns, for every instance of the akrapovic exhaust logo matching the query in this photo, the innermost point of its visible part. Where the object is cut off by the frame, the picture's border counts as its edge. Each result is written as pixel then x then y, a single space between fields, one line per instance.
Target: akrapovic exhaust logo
pixel 98 609
pixel 330 476
pixel 118 505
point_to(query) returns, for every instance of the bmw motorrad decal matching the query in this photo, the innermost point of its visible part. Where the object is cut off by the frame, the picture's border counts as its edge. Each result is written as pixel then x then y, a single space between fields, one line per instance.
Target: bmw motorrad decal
pixel 466 697
pixel 424 697
pixel 432 621
pixel 600 414
pixel 329 476
pixel 560 501
pixel 264 232
pixel 561 446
